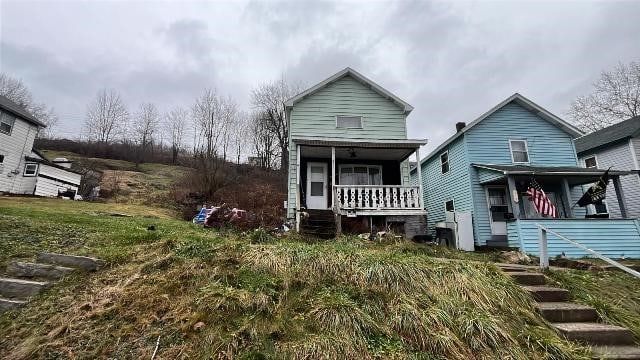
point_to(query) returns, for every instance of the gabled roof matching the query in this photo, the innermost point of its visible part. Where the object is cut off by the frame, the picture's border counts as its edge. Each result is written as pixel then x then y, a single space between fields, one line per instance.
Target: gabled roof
pixel 525 103
pixel 359 77
pixel 610 134
pixel 19 111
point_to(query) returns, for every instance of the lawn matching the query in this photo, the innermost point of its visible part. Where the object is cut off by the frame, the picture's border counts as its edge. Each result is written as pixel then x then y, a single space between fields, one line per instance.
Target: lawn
pixel 204 294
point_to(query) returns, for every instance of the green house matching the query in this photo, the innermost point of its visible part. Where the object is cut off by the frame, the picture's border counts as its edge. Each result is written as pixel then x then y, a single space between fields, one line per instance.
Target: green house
pixel 349 159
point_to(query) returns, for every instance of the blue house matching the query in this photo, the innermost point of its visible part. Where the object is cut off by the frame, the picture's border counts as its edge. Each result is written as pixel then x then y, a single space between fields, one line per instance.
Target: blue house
pixel 485 169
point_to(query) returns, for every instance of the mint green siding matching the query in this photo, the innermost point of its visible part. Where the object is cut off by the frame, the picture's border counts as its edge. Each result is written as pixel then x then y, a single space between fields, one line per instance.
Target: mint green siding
pixel 316 115
pixel 615 238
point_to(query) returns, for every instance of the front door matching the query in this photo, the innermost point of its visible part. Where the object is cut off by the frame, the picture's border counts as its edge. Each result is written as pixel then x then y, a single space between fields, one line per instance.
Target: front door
pixel 316 185
pixel 498 208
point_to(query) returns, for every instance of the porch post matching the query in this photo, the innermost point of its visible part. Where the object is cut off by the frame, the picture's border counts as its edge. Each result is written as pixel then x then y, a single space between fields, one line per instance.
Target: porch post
pixel 419 171
pixel 515 206
pixel 333 176
pixel 620 195
pixel 298 201
pixel 567 197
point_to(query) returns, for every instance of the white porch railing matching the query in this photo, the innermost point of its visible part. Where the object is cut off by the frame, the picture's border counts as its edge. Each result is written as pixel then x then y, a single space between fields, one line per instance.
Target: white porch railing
pixel 544 253
pixel 377 197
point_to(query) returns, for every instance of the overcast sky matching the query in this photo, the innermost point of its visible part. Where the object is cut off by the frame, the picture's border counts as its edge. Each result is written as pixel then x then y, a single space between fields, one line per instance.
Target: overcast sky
pixel 451 60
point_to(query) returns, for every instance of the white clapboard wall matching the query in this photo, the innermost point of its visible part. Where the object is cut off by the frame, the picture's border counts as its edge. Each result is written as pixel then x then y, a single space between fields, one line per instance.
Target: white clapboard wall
pixel 52 179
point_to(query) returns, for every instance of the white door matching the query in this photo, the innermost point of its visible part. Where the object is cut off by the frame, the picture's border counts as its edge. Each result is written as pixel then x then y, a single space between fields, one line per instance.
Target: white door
pixel 498 207
pixel 316 185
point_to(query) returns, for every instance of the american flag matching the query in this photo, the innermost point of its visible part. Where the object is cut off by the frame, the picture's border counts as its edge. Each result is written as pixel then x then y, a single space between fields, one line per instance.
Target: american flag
pixel 540 200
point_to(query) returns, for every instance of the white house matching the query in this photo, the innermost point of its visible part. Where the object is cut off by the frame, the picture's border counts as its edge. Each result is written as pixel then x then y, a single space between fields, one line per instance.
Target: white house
pixel 24 170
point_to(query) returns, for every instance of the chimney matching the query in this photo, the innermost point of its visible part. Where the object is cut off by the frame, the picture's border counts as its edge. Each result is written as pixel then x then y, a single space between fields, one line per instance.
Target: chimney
pixel 460 126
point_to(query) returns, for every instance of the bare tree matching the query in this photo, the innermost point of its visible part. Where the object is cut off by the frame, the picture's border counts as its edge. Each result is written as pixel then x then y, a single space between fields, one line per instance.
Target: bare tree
pixel 145 126
pixel 175 126
pixel 269 99
pixel 16 91
pixel 241 135
pixel 264 144
pixel 615 97
pixel 107 117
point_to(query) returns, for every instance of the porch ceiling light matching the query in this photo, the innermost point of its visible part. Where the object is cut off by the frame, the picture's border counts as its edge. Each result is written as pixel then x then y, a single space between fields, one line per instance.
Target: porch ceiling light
pixel 352 152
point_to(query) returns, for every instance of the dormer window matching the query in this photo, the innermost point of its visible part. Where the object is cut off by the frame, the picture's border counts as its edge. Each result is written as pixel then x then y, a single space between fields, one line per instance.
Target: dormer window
pixel 349 122
pixel 6 123
pixel 519 151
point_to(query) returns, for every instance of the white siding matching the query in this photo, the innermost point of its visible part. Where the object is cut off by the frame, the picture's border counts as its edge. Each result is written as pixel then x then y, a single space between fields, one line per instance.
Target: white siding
pixel 635 143
pixel 15 147
pixel 619 157
pixel 50 187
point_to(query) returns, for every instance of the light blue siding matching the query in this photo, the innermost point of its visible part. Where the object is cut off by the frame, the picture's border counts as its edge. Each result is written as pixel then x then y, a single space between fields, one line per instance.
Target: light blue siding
pixel 454 185
pixel 485 176
pixel 614 238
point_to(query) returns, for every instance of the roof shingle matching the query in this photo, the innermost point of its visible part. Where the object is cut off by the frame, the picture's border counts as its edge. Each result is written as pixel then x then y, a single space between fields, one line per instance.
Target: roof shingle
pixel 610 134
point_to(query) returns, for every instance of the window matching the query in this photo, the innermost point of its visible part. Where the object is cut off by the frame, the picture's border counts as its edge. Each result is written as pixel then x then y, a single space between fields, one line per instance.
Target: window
pixel 591 162
pixel 448 206
pixel 30 169
pixel 1 163
pixel 444 162
pixel 519 151
pixel 360 175
pixel 6 123
pixel 1 159
pixel 349 122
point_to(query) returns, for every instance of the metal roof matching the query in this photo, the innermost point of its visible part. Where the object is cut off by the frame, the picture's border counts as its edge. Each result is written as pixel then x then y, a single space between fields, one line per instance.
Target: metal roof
pixel 19 111
pixel 370 143
pixel 610 134
pixel 549 170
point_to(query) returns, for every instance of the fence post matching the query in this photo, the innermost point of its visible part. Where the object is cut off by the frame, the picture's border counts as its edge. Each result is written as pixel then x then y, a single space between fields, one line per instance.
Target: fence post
pixel 544 254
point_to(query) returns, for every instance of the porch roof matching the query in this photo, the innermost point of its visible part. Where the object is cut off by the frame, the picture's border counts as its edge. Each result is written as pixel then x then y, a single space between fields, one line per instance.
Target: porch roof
pixel 361 143
pixel 575 175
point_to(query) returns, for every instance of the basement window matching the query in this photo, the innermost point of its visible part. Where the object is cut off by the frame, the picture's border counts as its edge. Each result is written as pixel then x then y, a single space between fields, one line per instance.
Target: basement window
pixel 349 122
pixel 30 169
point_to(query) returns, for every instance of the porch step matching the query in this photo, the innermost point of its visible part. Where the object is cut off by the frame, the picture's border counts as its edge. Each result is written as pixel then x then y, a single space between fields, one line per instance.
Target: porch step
pixel 547 293
pixel 35 270
pixel 21 289
pixel 620 352
pixel 9 304
pixel 527 278
pixel 79 262
pixel 566 312
pixel 595 333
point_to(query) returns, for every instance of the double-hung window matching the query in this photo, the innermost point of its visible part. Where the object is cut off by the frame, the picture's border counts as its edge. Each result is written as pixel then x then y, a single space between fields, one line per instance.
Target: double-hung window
pixel 519 151
pixel 349 122
pixel 444 162
pixel 6 123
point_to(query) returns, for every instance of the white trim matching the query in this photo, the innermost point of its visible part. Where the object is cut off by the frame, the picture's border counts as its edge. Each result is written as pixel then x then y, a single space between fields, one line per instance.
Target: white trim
pixel 350 127
pixel 405 142
pixel 526 148
pixel 523 101
pixel 453 202
pixel 507 200
pixel 359 77
pixel 584 161
pixel 633 154
pixel 35 172
pixel 325 184
pixel 448 163
pixel 379 167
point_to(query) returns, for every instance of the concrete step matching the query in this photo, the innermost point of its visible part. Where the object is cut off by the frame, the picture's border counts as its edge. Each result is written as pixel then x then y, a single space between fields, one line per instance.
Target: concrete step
pixel 21 289
pixel 35 270
pixel 595 333
pixel 616 352
pixel 79 262
pixel 512 269
pixel 547 293
pixel 9 304
pixel 566 312
pixel 527 278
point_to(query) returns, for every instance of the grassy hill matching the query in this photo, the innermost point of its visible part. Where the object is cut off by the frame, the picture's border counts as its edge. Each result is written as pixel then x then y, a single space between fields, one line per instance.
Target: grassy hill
pixel 147 184
pixel 206 294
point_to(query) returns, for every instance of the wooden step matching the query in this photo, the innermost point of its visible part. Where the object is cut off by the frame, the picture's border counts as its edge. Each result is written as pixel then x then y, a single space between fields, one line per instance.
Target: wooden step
pixel 566 312
pixel 79 262
pixel 35 270
pixel 527 278
pixel 10 304
pixel 595 333
pixel 547 293
pixel 620 352
pixel 21 289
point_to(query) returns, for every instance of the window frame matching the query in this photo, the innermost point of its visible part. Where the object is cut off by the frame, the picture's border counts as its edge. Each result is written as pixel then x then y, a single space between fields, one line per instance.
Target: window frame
pixel 35 172
pixel 453 205
pixel 379 167
pixel 12 125
pixel 448 162
pixel 592 207
pixel 350 127
pixel 595 159
pixel 2 156
pixel 526 148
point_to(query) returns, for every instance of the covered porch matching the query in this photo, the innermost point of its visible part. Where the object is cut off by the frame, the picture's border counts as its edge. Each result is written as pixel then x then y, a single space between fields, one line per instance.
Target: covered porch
pixel 514 220
pixel 357 177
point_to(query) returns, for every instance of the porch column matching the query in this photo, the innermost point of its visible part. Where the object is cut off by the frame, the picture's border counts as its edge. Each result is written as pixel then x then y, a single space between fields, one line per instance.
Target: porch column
pixel 620 195
pixel 298 201
pixel 419 171
pixel 515 206
pixel 567 197
pixel 333 176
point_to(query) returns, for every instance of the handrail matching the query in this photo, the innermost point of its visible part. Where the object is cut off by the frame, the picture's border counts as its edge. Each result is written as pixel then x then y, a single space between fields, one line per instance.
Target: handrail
pixel 544 258
pixel 378 186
